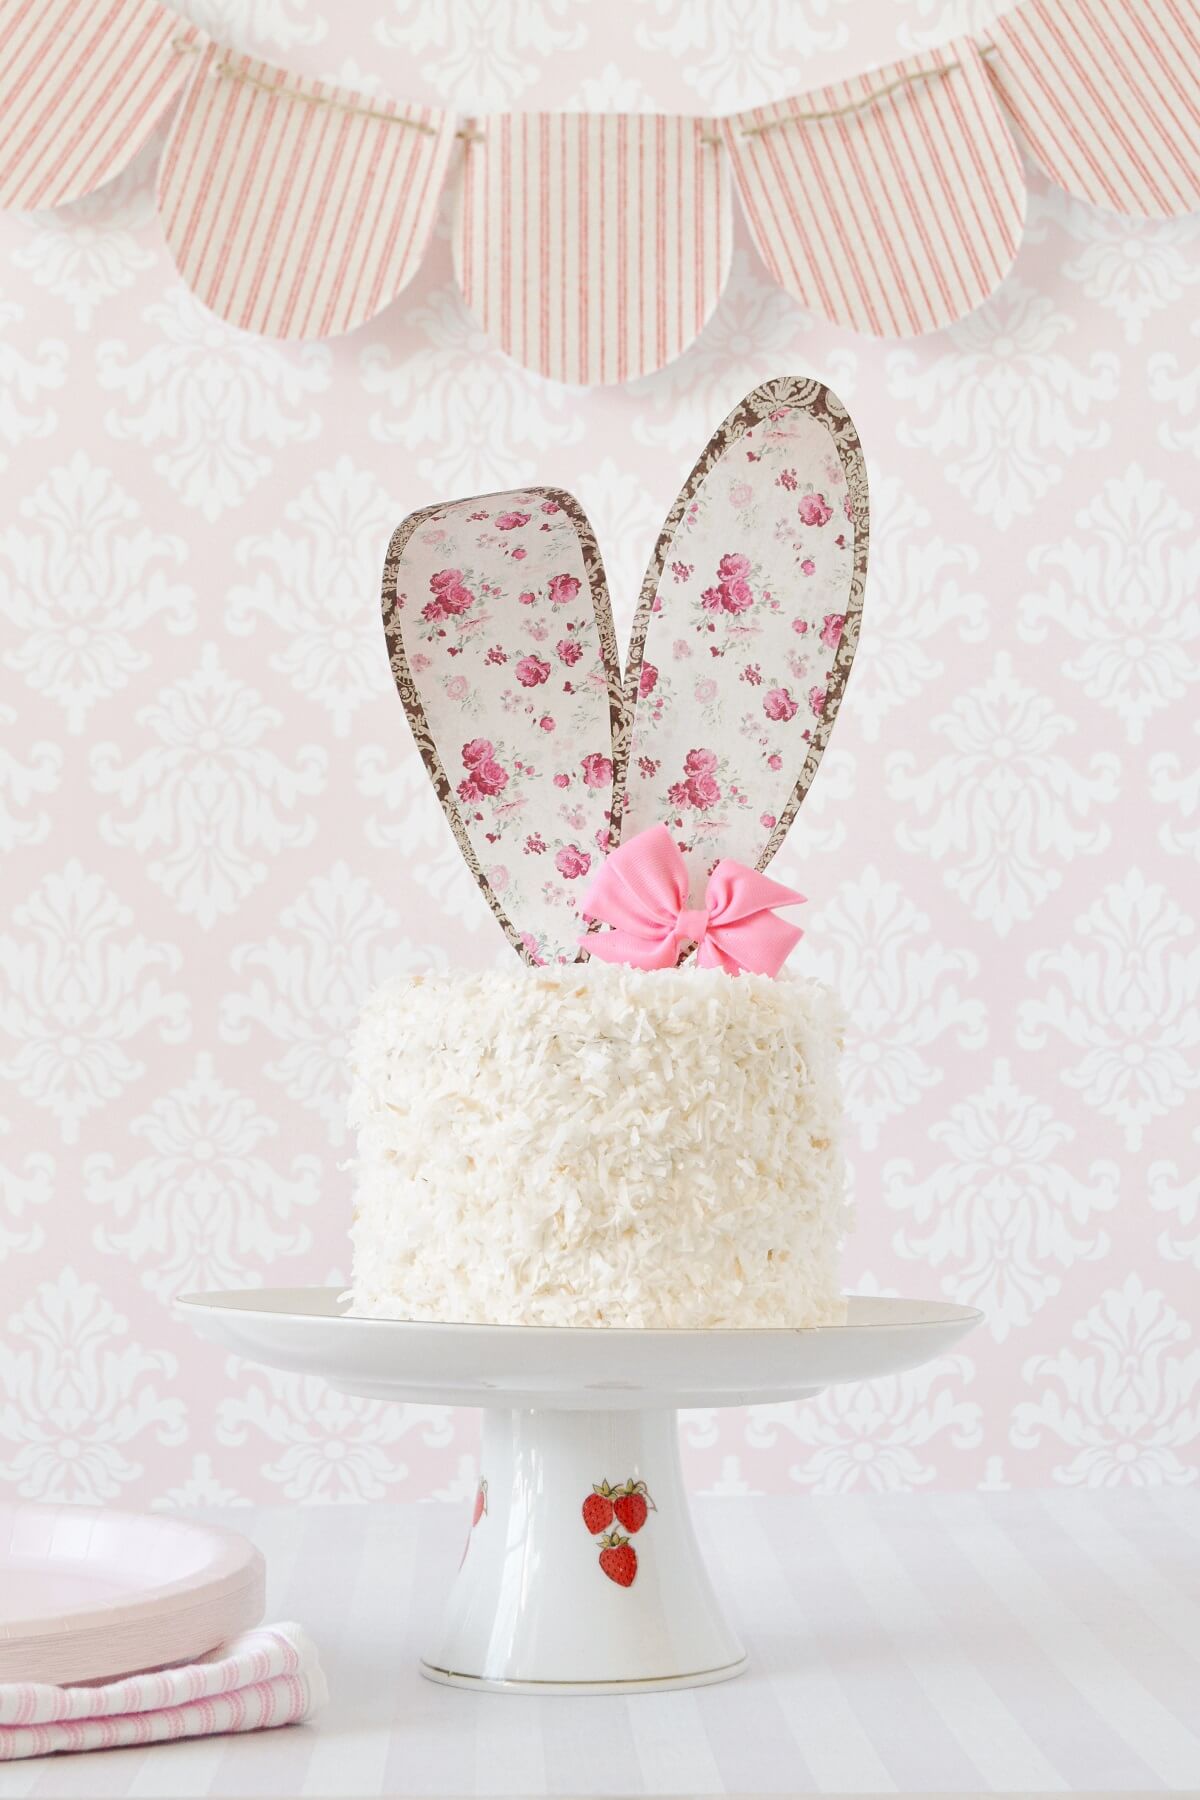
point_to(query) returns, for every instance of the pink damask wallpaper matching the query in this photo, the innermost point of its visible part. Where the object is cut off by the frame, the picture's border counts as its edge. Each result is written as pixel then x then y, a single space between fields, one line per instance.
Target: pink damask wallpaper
pixel 217 834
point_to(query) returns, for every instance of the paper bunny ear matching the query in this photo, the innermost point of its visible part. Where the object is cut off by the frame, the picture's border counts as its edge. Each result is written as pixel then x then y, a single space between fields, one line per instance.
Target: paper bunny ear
pixel 746 629
pixel 501 643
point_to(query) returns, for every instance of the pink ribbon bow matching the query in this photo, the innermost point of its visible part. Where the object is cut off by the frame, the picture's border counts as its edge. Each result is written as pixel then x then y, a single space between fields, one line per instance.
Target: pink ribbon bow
pixel 642 892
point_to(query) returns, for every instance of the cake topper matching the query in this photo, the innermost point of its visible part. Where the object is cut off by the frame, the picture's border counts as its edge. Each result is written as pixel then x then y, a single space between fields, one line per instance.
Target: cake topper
pixel 501 643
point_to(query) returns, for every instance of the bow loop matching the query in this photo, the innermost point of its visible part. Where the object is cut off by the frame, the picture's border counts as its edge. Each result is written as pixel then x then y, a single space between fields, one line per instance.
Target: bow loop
pixel 641 891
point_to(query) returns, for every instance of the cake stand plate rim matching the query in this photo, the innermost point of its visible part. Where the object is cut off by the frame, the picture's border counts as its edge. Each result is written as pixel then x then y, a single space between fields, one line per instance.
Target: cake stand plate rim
pixel 654 1684
pixel 940 1314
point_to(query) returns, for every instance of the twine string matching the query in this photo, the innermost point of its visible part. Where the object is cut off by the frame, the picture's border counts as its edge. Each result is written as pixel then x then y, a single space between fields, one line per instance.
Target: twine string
pixel 225 70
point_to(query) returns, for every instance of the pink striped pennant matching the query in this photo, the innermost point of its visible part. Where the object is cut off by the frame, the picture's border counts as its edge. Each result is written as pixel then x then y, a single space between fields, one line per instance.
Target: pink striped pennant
pixel 82 85
pixel 1105 95
pixel 293 208
pixel 592 247
pixel 894 219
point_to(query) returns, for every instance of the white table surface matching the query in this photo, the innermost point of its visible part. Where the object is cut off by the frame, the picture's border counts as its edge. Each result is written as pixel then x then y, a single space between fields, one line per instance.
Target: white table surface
pixel 913 1643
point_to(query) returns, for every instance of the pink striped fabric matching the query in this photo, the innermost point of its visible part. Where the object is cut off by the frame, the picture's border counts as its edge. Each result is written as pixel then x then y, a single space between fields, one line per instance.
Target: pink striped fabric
pixel 1106 97
pixel 287 213
pixel 82 85
pixel 896 219
pixel 264 1678
pixel 592 247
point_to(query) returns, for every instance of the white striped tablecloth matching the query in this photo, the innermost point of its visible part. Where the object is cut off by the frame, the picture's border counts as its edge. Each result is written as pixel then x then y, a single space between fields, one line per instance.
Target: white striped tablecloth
pixel 957 1643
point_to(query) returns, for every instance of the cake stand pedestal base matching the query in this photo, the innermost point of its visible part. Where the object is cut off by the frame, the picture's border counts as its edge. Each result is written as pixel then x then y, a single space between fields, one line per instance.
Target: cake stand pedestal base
pixel 543 1602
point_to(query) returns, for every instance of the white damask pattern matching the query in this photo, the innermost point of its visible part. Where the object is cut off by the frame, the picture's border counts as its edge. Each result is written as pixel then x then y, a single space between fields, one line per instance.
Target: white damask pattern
pixel 313 591
pixel 21 1188
pixel 478 422
pixel 84 589
pixel 214 402
pixel 1004 807
pixel 25 779
pixel 1005 407
pixel 1002 1209
pixel 878 1436
pixel 204 1208
pixel 78 990
pixel 1125 1402
pixel 1125 591
pixel 216 835
pixel 307 984
pixel 78 1402
pixel 903 993
pixel 1123 994
pixel 209 796
pixel 324 1447
pixel 1179 1197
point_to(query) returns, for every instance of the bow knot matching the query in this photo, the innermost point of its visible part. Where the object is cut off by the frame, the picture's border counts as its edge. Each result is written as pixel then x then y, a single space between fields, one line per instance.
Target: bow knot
pixel 641 891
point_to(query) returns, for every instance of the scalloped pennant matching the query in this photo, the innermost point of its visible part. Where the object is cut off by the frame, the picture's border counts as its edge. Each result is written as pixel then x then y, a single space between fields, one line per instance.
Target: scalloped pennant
pixel 746 630
pixel 501 643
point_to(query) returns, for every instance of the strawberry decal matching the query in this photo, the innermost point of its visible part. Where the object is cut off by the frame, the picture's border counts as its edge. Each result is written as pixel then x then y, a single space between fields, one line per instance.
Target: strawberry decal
pixel 631 1505
pixel 618 1559
pixel 598 1509
pixel 480 1503
pixel 628 1505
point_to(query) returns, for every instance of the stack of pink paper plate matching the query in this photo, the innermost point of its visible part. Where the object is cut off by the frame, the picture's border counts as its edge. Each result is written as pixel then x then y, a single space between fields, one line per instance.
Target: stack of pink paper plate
pixel 91 1595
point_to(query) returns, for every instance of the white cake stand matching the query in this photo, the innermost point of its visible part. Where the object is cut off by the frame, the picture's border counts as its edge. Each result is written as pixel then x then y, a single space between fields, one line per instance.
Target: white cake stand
pixel 546 1600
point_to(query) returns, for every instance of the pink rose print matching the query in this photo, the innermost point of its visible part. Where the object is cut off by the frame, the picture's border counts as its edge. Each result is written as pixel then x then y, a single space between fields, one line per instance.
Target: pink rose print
pixel 457 688
pixel 774 762
pixel 788 480
pixel 568 651
pixel 808 566
pixel 816 699
pixel 572 862
pixel 779 704
pixel 741 494
pixel 499 877
pixel 831 630
pixel 647 680
pixel 546 722
pixel 800 626
pixel 597 770
pixel 732 593
pixel 532 671
pixel 528 599
pixel 562 589
pixel 767 821
pixel 706 691
pixel 511 521
pixel 451 596
pixel 496 655
pixel 519 553
pixel 814 509
pixel 484 775
pixel 535 843
pixel 562 781
pixel 699 787
pixel 551 506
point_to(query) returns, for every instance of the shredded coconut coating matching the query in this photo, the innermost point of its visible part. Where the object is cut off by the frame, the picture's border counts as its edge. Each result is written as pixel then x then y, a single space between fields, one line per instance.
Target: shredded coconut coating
pixel 598 1145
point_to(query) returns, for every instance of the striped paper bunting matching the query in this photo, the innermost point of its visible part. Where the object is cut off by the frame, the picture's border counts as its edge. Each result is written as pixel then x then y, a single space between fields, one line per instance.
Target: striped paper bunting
pixel 1106 97
pixel 897 218
pixel 82 85
pixel 592 247
pixel 293 208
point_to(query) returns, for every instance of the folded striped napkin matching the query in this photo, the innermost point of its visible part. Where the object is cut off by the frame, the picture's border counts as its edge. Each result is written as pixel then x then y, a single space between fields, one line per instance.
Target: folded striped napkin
pixel 265 1677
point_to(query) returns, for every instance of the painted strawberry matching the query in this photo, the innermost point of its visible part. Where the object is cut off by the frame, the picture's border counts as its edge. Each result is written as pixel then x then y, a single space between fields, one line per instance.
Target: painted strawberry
pixel 480 1503
pixel 631 1504
pixel 598 1509
pixel 618 1559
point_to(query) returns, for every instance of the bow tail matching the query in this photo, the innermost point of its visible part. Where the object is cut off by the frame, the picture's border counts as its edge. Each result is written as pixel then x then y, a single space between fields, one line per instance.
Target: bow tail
pixel 759 944
pixel 635 949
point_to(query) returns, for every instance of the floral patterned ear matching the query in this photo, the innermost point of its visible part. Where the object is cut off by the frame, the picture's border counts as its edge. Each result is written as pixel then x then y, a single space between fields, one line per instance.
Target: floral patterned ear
pixel 746 629
pixel 501 643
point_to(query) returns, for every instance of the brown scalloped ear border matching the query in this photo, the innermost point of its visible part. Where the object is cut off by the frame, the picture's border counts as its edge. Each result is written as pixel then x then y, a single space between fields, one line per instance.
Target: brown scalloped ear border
pixel 822 404
pixel 410 698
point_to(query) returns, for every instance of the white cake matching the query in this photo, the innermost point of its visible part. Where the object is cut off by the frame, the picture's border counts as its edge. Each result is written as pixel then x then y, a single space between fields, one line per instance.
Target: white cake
pixel 596 1145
